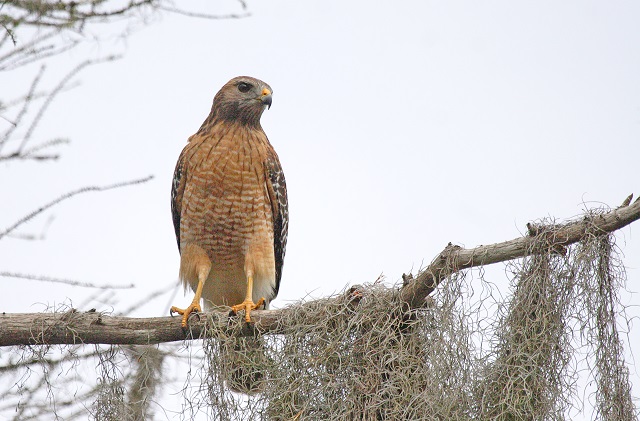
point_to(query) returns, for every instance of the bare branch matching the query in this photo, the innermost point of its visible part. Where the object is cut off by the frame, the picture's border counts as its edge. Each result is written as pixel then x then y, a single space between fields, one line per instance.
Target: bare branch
pixel 74 14
pixel 54 93
pixel 46 22
pixel 34 236
pixel 27 101
pixel 35 50
pixel 33 153
pixel 69 195
pixel 8 35
pixel 148 298
pixel 73 327
pixel 454 258
pixel 71 282
pixel 203 15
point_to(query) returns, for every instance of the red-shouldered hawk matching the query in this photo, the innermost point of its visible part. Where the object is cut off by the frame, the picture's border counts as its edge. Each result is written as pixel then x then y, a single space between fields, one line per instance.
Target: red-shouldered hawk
pixel 229 204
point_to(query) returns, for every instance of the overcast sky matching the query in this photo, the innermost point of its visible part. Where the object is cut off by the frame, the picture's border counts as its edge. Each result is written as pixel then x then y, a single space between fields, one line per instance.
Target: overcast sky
pixel 400 127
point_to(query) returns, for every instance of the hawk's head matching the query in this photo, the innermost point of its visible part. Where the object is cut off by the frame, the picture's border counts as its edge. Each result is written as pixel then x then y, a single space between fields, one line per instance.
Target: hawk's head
pixel 242 99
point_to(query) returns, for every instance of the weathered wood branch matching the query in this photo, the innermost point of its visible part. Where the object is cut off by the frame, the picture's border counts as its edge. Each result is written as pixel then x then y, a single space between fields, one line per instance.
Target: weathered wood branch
pixel 74 327
pixel 454 258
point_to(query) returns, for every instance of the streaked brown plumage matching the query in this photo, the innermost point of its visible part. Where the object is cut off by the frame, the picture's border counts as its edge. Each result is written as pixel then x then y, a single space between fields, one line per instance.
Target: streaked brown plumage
pixel 229 204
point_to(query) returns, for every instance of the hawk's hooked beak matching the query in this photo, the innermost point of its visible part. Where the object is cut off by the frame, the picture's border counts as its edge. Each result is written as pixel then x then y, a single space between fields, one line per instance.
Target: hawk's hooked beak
pixel 265 98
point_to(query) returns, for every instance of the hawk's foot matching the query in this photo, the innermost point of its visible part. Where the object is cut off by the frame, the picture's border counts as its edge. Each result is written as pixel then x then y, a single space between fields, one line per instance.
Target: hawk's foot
pixel 247 306
pixel 193 308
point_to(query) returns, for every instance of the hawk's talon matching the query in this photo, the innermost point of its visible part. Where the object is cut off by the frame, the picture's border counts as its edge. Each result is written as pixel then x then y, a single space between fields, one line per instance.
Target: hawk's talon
pixel 195 312
pixel 247 305
pixel 194 308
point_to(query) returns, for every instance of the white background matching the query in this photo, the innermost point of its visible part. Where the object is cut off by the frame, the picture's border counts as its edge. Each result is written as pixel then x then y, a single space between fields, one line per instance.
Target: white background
pixel 400 126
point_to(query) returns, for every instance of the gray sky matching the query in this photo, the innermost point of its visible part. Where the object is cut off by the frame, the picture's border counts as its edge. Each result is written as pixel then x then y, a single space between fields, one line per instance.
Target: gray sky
pixel 400 128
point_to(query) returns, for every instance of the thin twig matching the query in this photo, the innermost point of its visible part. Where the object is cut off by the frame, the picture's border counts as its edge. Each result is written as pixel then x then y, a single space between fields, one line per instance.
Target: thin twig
pixel 32 236
pixel 148 299
pixel 37 54
pixel 71 282
pixel 25 107
pixel 55 92
pixel 69 195
pixel 203 15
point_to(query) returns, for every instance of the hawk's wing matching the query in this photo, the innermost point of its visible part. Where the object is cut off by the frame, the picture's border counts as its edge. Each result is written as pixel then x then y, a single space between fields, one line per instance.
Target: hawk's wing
pixel 277 189
pixel 177 190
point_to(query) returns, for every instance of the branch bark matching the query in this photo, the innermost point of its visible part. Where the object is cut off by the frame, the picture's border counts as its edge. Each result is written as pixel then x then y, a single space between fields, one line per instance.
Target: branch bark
pixel 454 258
pixel 74 327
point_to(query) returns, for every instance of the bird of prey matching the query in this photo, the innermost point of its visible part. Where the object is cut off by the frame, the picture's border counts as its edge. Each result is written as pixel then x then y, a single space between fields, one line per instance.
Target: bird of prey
pixel 229 205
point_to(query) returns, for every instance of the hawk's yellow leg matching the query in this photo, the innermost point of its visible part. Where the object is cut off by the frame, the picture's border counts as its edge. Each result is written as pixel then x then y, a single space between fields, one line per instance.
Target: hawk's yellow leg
pixel 194 307
pixel 247 305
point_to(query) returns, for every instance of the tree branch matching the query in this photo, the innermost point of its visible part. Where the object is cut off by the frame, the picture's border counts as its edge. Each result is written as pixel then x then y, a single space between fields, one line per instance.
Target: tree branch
pixel 69 195
pixel 73 327
pixel 454 258
pixel 203 15
pixel 72 282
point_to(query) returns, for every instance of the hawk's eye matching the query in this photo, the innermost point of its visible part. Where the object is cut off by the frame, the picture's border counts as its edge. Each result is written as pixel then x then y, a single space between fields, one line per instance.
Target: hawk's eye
pixel 244 87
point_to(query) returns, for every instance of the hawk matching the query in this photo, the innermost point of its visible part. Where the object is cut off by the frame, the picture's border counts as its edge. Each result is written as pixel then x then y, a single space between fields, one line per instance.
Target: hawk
pixel 229 205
